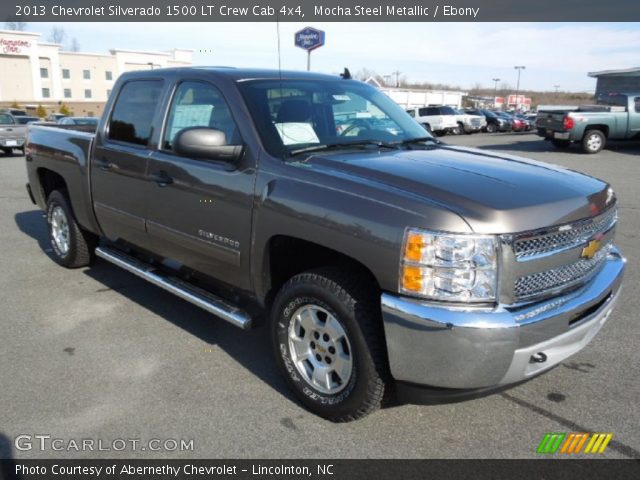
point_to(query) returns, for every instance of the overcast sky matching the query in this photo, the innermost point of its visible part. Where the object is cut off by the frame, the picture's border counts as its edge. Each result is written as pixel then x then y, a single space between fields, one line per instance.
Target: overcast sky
pixel 454 53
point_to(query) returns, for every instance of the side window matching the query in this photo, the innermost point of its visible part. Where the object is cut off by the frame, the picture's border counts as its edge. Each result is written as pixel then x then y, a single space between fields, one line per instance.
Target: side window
pixel 412 113
pixel 132 115
pixel 6 119
pixel 636 102
pixel 423 112
pixel 199 104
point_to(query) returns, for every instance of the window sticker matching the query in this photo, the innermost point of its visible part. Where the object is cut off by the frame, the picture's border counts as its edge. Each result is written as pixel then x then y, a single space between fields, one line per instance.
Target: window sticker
pixel 293 133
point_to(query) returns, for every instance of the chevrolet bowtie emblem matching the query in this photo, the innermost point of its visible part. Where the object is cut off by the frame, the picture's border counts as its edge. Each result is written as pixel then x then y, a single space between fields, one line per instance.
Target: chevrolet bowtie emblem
pixel 591 249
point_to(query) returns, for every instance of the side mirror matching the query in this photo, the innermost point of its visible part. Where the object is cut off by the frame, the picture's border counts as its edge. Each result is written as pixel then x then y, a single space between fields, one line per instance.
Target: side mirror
pixel 205 143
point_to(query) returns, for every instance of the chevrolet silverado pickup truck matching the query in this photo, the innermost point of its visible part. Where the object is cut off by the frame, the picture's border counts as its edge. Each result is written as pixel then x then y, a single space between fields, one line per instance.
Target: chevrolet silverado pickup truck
pixel 615 117
pixel 382 260
pixel 12 134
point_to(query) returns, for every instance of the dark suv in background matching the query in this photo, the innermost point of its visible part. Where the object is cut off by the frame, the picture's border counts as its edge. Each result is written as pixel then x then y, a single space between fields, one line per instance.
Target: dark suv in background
pixel 494 122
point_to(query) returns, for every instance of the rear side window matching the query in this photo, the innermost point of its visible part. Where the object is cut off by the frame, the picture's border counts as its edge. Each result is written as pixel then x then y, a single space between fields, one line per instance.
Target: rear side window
pixel 428 111
pixel 411 113
pixel 133 113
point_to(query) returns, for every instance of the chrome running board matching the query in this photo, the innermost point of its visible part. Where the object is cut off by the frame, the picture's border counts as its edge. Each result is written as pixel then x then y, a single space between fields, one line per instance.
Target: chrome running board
pixel 192 294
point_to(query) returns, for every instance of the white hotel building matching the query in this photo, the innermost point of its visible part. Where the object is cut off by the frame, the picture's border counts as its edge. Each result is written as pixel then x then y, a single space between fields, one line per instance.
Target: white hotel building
pixel 34 72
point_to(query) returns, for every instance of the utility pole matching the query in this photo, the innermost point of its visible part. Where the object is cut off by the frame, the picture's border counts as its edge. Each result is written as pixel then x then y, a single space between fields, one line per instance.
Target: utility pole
pixel 519 68
pixel 397 74
pixel 556 87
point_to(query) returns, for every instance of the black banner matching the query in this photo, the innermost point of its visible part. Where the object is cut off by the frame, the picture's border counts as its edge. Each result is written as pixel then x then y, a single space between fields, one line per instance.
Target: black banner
pixel 318 469
pixel 319 10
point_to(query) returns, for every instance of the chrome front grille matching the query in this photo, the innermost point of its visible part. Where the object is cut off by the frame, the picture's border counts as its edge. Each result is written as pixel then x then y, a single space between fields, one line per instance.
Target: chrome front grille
pixel 560 277
pixel 564 237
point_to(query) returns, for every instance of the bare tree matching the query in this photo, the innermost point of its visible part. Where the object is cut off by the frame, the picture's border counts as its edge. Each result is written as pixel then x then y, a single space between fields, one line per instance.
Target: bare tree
pixel 57 35
pixel 75 45
pixel 19 26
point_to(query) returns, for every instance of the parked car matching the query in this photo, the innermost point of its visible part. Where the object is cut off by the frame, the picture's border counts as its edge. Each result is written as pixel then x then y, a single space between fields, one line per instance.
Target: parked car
pixel 438 120
pixel 468 123
pixel 379 260
pixel 15 112
pixel 615 117
pixel 494 122
pixel 54 117
pixel 517 125
pixel 92 121
pixel 26 120
pixel 529 123
pixel 12 134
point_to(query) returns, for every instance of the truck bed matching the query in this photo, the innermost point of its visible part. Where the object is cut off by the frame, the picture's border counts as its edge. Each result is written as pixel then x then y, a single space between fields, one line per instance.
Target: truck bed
pixel 65 151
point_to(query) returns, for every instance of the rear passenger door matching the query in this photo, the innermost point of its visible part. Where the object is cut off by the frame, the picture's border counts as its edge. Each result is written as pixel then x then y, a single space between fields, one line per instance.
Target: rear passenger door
pixel 119 162
pixel 201 212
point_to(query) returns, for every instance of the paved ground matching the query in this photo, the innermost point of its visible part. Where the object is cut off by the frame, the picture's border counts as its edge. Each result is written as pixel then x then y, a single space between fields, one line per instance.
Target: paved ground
pixel 100 354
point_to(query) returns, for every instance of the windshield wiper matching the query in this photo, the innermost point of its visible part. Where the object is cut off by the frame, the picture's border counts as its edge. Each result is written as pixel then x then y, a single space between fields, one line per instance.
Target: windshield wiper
pixel 419 139
pixel 336 146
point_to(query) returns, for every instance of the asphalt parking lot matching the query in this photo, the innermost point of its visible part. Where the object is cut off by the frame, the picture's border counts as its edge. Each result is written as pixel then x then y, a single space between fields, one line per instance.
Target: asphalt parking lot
pixel 99 354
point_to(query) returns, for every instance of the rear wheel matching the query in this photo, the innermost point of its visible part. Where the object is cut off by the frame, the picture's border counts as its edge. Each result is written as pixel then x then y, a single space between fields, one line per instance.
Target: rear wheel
pixel 329 343
pixel 593 141
pixel 561 143
pixel 427 127
pixel 72 246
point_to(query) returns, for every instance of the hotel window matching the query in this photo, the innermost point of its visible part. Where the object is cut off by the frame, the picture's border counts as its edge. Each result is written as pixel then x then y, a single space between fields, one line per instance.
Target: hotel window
pixel 87 93
pixel 44 72
pixel 108 75
pixel 108 93
pixel 46 93
pixel 86 74
pixel 67 93
pixel 66 74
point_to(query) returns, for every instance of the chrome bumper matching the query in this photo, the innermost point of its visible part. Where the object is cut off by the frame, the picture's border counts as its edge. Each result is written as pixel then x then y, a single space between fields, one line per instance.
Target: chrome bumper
pixel 473 347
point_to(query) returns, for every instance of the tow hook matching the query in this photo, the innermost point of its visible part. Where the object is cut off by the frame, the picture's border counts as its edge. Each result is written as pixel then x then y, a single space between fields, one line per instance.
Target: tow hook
pixel 539 357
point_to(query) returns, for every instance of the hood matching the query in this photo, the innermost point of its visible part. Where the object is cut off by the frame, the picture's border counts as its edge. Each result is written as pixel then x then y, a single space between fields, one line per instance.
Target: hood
pixel 493 193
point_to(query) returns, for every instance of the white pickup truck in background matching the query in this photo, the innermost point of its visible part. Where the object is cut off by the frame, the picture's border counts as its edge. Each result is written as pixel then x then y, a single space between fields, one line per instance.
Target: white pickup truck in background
pixel 438 120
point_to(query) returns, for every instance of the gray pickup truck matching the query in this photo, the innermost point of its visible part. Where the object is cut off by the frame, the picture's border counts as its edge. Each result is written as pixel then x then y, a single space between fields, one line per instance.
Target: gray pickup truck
pixel 383 260
pixel 615 117
pixel 12 134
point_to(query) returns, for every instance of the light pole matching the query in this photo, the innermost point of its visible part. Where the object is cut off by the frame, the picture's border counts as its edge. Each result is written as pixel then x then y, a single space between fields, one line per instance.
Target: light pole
pixel 519 68
pixel 495 90
pixel 556 87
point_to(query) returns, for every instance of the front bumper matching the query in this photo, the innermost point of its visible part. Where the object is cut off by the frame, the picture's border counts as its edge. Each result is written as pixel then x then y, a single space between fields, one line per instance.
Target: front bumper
pixel 474 347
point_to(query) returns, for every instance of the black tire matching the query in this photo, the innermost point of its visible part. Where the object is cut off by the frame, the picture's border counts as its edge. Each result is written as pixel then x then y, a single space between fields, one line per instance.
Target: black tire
pixel 8 152
pixel 561 143
pixel 355 305
pixel 427 127
pixel 491 128
pixel 81 244
pixel 459 130
pixel 593 141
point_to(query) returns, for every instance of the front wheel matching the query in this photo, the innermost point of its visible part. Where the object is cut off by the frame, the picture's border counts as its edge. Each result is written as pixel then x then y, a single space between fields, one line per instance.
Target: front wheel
pixel 491 128
pixel 593 141
pixel 328 341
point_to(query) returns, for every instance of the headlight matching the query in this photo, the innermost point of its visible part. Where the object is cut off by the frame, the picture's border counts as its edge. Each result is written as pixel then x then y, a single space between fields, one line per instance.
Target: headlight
pixel 444 266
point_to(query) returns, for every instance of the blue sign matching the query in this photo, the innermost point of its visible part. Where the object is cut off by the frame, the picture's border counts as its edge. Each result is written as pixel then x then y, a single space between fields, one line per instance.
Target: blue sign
pixel 309 38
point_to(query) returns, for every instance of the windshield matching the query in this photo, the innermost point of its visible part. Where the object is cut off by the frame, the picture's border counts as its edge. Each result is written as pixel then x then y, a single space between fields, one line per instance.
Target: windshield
pixel 291 115
pixel 25 120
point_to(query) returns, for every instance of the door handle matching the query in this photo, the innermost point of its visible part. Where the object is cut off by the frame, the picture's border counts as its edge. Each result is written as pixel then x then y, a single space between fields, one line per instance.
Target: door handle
pixel 162 178
pixel 104 164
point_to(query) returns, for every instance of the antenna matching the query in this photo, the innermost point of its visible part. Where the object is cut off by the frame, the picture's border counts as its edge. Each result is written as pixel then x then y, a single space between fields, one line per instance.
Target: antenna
pixel 278 35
